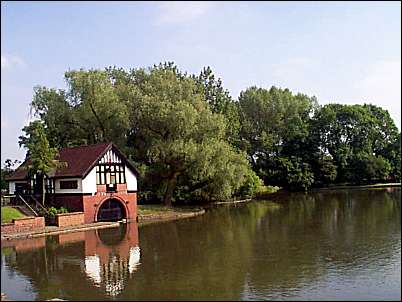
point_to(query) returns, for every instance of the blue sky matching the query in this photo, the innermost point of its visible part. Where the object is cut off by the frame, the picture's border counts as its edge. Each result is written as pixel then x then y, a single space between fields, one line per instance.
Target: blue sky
pixel 344 52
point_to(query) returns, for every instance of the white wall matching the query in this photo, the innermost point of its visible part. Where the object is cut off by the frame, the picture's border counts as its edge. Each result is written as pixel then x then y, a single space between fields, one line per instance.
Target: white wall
pixel 11 186
pixel 131 180
pixel 89 182
pixel 58 190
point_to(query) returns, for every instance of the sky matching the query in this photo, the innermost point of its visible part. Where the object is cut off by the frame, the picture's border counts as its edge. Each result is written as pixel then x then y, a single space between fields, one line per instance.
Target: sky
pixel 340 52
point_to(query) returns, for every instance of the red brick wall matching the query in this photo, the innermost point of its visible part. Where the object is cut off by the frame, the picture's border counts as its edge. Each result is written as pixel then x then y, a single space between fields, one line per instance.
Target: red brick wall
pixel 122 188
pixel 25 224
pixel 89 204
pixel 92 204
pixel 101 188
pixel 68 219
pixel 119 187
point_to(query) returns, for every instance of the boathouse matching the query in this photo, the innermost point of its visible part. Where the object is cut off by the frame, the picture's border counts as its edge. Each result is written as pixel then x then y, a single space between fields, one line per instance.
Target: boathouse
pixel 95 179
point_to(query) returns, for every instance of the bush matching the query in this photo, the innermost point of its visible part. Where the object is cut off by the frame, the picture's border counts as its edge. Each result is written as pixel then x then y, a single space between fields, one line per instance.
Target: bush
pixel 252 185
pixel 266 190
pixel 51 212
pixel 62 210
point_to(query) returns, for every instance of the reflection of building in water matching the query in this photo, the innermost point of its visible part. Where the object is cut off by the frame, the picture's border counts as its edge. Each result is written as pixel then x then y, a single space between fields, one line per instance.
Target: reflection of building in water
pixel 112 256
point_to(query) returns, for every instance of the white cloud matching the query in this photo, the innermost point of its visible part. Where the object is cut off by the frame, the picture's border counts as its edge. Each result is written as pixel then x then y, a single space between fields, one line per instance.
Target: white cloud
pixel 11 62
pixel 173 12
pixel 382 86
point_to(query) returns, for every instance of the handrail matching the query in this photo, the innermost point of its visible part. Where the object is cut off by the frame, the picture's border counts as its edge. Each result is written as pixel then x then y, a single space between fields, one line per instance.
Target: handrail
pixel 39 204
pixel 23 200
pixel 6 199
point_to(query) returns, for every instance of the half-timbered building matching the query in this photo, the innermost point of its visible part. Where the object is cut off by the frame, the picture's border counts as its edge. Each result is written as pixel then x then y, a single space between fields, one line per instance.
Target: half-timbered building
pixel 95 179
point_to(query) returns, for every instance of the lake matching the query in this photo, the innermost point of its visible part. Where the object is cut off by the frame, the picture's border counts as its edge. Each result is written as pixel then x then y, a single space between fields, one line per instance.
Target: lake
pixel 324 245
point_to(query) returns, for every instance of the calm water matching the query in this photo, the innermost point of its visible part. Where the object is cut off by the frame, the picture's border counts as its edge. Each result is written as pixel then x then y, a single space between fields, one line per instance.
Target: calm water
pixel 340 245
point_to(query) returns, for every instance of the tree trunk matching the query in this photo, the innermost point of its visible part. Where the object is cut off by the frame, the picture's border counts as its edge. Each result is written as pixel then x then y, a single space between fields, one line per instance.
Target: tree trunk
pixel 43 190
pixel 171 186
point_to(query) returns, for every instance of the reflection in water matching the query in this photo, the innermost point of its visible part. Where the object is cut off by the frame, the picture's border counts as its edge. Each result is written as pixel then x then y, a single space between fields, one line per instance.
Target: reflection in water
pixel 111 256
pixel 340 245
pixel 107 257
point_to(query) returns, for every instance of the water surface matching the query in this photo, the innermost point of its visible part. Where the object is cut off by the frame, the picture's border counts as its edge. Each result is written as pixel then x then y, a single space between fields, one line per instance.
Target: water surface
pixel 328 245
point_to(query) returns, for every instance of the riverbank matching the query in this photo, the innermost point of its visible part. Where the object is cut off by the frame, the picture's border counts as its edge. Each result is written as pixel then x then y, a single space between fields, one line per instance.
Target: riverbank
pixel 146 214
pixel 380 185
pixel 157 213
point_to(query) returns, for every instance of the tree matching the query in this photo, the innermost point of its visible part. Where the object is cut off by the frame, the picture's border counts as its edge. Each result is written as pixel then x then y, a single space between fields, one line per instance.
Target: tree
pixel 219 101
pixel 324 169
pixel 274 133
pixel 89 112
pixel 361 139
pixel 41 155
pixel 178 138
pixel 181 130
pixel 100 113
pixel 367 168
pixel 57 114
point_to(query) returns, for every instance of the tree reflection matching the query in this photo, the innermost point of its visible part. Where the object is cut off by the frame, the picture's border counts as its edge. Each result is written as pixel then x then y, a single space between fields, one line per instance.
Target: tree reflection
pixel 260 250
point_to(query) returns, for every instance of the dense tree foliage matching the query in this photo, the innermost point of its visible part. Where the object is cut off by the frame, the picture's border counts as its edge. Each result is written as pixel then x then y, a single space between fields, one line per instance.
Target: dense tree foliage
pixel 275 133
pixel 361 139
pixel 41 154
pixel 191 140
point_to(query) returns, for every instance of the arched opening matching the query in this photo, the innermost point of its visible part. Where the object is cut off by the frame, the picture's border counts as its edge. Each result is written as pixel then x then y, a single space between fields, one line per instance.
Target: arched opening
pixel 111 210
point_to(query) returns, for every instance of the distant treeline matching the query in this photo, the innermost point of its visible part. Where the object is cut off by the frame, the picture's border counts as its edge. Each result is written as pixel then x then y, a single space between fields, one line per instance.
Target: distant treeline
pixel 192 141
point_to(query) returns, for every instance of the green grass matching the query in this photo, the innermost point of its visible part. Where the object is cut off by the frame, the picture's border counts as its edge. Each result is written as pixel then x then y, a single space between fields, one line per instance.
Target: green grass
pixel 161 209
pixel 8 214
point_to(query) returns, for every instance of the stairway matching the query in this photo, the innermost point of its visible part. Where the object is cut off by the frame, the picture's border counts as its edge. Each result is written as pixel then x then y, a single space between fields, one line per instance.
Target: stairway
pixel 29 204
pixel 25 210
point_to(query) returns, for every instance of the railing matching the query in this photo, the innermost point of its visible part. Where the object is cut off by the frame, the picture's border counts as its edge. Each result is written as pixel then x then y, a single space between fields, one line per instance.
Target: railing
pixel 27 205
pixel 38 205
pixel 6 200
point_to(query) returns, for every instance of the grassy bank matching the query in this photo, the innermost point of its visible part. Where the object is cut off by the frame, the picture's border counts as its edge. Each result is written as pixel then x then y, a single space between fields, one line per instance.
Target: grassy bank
pixel 8 214
pixel 156 213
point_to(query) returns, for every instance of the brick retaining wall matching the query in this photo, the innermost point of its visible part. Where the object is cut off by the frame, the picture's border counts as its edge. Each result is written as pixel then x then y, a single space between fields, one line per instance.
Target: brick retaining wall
pixel 25 224
pixel 69 219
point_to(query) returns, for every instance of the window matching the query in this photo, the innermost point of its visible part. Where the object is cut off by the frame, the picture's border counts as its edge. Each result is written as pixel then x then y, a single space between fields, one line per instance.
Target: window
pixel 110 174
pixel 21 188
pixel 68 184
pixel 49 186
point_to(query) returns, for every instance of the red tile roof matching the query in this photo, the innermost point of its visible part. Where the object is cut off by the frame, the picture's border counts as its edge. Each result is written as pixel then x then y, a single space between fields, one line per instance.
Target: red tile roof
pixel 79 161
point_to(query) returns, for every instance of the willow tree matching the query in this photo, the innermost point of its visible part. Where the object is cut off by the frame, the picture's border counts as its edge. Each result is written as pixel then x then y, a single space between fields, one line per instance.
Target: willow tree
pixel 176 128
pixel 88 112
pixel 178 137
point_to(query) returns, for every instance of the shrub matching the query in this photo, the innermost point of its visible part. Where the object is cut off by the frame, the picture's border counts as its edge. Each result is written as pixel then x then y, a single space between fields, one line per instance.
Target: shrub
pixel 62 210
pixel 52 211
pixel 252 185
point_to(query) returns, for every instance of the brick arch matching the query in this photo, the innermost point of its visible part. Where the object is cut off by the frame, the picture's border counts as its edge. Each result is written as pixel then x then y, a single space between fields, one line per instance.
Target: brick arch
pixel 117 198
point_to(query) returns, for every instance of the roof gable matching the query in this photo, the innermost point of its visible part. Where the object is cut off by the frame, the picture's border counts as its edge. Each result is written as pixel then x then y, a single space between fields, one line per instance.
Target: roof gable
pixel 79 161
